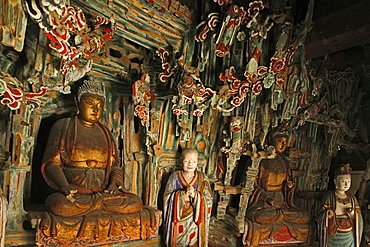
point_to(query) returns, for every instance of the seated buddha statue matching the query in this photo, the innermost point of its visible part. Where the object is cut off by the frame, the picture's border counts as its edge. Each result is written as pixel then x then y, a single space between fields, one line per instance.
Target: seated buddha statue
pixel 271 209
pixel 81 163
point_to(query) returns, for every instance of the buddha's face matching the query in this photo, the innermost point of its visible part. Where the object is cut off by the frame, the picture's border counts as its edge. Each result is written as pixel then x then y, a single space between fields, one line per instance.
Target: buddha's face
pixel 280 144
pixel 90 108
pixel 189 162
pixel 342 182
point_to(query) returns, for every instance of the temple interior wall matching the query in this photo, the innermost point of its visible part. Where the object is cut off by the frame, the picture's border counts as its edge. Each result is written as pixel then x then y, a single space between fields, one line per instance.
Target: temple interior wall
pixel 181 74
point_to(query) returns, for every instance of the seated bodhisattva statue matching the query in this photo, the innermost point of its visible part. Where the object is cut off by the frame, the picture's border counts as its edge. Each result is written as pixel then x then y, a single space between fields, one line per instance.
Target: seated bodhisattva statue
pixel 271 213
pixel 81 162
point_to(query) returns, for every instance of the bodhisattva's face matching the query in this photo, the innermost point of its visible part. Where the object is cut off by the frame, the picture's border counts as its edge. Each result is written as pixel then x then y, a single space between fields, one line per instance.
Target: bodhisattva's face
pixel 90 108
pixel 342 183
pixel 189 162
pixel 280 144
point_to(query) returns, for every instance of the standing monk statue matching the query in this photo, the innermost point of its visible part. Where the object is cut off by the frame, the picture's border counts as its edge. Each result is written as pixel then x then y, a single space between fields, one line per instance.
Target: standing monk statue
pixel 81 162
pixel 188 204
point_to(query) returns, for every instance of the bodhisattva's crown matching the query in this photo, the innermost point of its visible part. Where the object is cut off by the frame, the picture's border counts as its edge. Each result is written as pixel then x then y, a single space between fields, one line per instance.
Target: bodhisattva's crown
pixel 344 170
pixel 90 86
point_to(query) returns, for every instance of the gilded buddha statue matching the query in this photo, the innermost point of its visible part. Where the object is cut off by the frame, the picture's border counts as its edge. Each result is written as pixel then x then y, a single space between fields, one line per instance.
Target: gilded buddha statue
pixel 271 213
pixel 81 162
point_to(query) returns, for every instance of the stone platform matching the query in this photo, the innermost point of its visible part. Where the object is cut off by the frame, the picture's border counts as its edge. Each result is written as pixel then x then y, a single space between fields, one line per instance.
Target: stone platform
pixel 131 235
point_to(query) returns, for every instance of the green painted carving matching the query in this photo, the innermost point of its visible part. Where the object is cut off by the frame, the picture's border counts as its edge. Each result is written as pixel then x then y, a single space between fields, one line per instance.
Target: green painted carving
pixel 13 24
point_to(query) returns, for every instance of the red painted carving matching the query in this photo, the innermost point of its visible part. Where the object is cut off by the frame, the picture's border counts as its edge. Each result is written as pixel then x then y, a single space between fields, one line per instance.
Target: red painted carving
pixel 13 97
pixel 209 25
pixel 142 97
pixel 191 91
pixel 66 27
pixel 222 2
pixel 167 74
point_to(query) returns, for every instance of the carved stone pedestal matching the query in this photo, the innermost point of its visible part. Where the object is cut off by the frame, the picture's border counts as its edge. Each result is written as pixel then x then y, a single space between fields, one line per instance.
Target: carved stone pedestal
pixel 282 236
pixel 129 237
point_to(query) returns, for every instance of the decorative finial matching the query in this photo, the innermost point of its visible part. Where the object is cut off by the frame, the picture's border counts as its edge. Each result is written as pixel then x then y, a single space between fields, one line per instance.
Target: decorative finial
pixel 90 86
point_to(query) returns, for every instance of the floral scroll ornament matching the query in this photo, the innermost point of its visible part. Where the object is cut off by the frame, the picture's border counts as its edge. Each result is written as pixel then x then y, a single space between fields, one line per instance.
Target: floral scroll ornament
pixel 191 91
pixel 222 2
pixel 235 18
pixel 167 73
pixel 277 65
pixel 230 26
pixel 66 28
pixel 263 76
pixel 142 97
pixel 235 89
pixel 13 97
pixel 209 25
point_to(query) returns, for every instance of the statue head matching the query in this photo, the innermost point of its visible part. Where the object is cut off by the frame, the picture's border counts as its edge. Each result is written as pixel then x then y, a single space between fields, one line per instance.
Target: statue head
pixel 189 159
pixel 90 102
pixel 279 140
pixel 342 178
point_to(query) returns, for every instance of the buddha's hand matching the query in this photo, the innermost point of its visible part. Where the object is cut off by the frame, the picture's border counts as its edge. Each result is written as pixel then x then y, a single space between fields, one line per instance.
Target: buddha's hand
pixel 270 202
pixel 190 191
pixel 69 192
pixel 114 188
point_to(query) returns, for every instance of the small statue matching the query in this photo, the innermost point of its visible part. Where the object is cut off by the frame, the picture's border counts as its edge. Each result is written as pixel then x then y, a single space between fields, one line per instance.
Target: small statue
pixel 271 213
pixel 81 162
pixel 187 204
pixel 340 222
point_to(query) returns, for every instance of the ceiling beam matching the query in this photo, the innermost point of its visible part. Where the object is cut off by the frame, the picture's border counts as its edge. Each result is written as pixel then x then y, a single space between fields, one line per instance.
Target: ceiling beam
pixel 339 31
